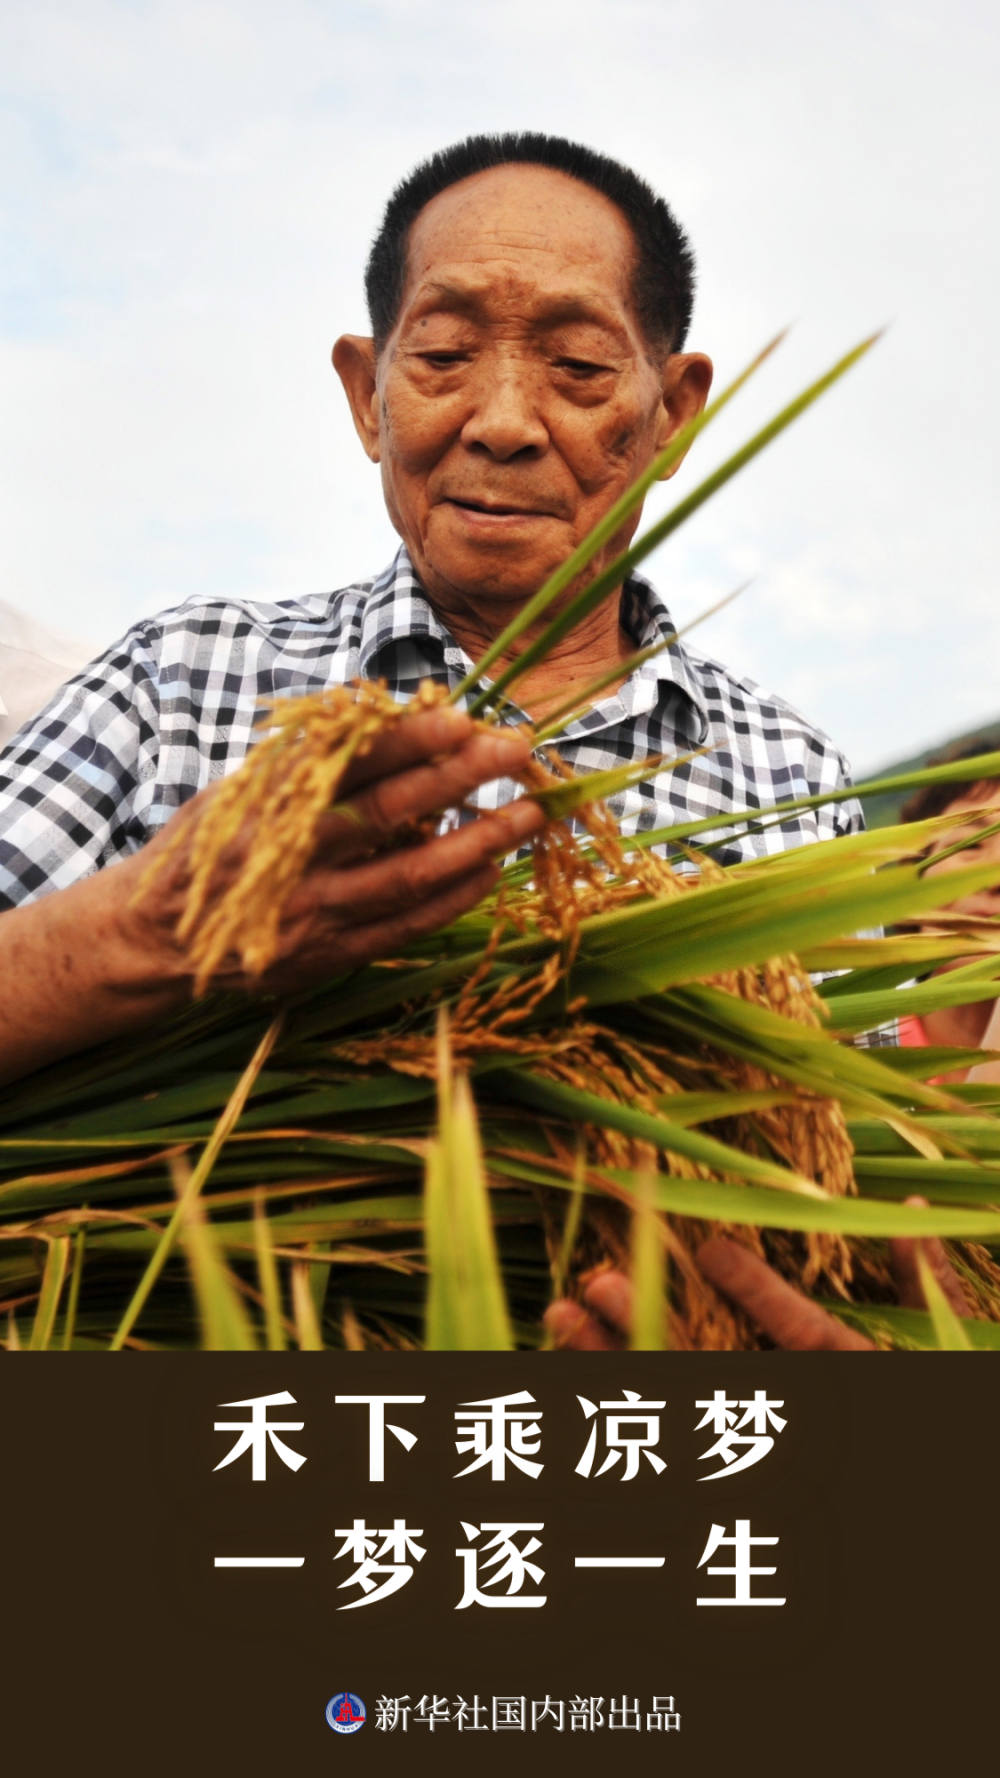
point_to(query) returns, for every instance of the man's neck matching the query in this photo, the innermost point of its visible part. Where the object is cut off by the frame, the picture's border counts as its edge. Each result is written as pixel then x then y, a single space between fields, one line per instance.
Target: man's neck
pixel 585 654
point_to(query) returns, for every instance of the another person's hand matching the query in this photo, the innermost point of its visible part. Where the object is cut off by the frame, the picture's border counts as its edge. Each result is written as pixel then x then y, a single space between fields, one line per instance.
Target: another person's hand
pixel 373 884
pixel 788 1317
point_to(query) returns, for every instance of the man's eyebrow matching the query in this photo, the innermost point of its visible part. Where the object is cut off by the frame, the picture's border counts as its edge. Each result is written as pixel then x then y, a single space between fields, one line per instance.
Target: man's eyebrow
pixel 437 294
pixel 470 299
pixel 581 309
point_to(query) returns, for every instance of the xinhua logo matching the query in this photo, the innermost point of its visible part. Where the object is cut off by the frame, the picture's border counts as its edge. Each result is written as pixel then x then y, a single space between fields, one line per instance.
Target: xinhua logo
pixel 346 1713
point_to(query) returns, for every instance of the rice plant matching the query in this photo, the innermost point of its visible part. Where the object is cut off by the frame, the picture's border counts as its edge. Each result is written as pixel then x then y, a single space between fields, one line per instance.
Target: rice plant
pixel 621 1049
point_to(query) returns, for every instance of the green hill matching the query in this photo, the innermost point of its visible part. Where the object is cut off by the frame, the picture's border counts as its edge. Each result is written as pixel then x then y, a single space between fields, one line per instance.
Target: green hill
pixel 882 811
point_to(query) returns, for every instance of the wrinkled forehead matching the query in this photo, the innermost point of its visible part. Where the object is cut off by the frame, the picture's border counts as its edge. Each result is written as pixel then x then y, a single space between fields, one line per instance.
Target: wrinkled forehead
pixel 525 218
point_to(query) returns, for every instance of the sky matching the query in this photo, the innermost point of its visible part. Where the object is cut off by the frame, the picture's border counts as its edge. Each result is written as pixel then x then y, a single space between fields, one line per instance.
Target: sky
pixel 187 196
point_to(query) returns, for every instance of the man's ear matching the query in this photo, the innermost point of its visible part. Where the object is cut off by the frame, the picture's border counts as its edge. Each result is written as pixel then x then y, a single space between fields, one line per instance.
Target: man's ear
pixel 687 379
pixel 354 362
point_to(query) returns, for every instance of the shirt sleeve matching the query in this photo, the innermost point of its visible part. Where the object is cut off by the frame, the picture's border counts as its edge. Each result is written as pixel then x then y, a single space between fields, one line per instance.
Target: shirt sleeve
pixel 76 781
pixel 841 817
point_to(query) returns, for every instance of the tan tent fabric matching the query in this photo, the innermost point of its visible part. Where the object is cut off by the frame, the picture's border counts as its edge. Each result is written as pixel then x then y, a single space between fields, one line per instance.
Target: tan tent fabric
pixel 34 662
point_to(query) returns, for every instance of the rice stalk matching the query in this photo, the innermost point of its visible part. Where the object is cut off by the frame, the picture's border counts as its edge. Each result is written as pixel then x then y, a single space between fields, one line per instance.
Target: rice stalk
pixel 267 1273
pixel 75 1285
pixel 224 1322
pixel 466 1307
pixel 193 1183
pixel 622 1026
pixel 593 1086
pixel 53 1279
pixel 308 1332
pixel 648 1267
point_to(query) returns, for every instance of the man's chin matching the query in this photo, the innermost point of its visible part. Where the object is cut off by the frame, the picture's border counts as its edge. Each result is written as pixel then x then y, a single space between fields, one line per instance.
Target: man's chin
pixel 500 575
pixel 502 557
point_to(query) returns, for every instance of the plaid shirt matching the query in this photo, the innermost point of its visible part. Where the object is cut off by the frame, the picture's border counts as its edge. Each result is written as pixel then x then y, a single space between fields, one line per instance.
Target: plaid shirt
pixel 172 706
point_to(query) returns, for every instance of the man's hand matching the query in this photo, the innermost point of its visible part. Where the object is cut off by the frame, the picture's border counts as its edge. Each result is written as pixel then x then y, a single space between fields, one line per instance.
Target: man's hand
pixel 372 885
pixel 601 1323
pixel 90 962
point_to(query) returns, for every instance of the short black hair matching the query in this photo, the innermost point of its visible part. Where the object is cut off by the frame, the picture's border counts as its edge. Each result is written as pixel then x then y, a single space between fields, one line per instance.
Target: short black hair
pixel 934 799
pixel 664 274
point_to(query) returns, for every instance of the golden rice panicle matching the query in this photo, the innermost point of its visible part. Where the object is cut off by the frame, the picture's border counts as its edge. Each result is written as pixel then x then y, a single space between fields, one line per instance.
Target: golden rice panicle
pixel 811 1134
pixel 278 796
pixel 291 778
pixel 979 1275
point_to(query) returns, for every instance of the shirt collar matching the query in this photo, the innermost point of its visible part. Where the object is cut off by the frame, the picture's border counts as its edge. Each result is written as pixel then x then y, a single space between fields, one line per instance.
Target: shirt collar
pixel 397 610
pixel 646 618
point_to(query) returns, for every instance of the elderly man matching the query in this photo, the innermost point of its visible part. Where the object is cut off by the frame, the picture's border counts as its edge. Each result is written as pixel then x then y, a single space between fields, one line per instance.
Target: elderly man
pixel 529 303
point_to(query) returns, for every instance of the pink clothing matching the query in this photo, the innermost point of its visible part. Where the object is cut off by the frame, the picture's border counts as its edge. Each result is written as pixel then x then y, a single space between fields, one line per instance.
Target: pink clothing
pixel 913 1035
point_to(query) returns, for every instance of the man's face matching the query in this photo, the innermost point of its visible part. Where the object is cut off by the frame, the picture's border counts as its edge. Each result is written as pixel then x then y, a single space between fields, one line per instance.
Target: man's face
pixel 981 807
pixel 517 397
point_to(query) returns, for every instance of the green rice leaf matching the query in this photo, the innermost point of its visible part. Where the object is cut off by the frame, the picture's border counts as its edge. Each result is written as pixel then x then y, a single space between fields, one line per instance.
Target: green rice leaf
pixel 910 1328
pixel 75 1284
pixel 580 1107
pixel 466 1307
pixel 648 1270
pixel 591 787
pixel 307 1325
pixel 579 703
pixel 267 1273
pixel 53 1278
pixel 743 820
pixel 224 1127
pixel 225 1326
pixel 571 1226
pixel 948 1329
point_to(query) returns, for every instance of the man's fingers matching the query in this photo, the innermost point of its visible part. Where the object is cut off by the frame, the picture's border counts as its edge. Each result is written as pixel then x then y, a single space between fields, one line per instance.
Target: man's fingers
pixel 380 814
pixel 781 1311
pixel 394 882
pixel 419 737
pixel 571 1328
pixel 609 1294
pixel 383 937
pixel 602 1322
pixel 903 1258
pixel 348 947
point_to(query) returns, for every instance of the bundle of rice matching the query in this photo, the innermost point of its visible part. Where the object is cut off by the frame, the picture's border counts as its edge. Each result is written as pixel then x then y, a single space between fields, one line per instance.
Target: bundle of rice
pixel 619 1020
pixel 639 1028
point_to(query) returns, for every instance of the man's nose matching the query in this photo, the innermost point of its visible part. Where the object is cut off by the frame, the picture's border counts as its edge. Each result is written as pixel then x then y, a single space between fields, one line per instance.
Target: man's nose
pixel 505 417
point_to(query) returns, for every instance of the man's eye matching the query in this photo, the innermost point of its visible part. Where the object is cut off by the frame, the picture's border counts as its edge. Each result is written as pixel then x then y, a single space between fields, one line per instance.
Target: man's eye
pixel 581 367
pixel 442 360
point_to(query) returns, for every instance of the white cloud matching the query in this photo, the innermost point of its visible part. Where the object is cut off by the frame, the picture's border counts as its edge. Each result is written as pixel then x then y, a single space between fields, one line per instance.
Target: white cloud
pixel 189 190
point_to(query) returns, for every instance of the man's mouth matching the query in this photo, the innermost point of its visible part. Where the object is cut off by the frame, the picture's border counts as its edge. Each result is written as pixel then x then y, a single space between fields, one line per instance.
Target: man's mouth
pixel 496 509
